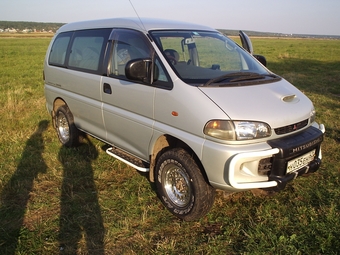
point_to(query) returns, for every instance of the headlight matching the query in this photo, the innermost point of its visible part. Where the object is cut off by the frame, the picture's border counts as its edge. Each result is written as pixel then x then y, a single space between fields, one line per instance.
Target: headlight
pixel 236 130
pixel 251 130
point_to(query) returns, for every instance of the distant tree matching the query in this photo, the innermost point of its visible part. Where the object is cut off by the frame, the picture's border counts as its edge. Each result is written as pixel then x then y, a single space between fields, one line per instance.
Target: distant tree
pixel 21 25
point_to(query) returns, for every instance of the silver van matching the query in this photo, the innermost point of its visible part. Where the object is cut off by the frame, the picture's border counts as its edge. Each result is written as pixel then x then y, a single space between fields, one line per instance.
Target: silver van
pixel 182 102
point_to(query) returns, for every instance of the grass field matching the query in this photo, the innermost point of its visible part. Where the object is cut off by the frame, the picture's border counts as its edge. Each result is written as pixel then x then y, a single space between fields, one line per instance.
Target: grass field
pixel 113 209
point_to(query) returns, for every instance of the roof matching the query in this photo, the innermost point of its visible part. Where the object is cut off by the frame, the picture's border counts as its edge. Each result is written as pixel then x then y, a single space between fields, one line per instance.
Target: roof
pixel 143 24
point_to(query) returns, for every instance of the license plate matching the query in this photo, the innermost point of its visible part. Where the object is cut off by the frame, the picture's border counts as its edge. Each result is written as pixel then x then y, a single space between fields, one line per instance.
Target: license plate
pixel 300 162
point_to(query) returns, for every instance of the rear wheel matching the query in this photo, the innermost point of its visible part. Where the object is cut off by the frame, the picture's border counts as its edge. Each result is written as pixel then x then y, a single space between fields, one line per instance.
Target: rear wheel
pixel 68 133
pixel 181 185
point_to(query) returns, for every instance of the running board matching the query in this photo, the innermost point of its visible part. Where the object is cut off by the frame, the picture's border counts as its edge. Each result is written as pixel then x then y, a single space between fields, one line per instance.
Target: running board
pixel 128 159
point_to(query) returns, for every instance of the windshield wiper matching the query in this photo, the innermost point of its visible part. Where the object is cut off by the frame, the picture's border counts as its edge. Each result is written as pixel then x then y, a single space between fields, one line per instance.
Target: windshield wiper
pixel 241 76
pixel 248 78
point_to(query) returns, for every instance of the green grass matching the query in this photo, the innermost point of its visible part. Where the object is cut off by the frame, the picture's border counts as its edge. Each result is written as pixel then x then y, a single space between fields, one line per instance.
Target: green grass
pixel 59 201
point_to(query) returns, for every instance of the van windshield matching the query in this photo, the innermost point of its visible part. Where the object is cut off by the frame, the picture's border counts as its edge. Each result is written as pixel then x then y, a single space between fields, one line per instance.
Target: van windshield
pixel 208 58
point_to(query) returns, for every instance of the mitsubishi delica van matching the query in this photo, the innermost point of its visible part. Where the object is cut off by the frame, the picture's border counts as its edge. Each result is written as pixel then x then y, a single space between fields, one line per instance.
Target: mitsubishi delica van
pixel 182 102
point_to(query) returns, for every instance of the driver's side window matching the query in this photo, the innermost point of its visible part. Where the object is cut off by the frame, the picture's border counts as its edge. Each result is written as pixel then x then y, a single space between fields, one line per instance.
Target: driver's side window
pixel 127 45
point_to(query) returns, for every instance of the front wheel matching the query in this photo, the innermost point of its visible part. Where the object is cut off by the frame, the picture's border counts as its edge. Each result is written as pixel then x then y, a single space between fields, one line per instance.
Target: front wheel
pixel 181 185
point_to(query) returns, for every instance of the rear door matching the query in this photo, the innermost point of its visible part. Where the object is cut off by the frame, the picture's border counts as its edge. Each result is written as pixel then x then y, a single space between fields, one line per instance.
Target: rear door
pixel 75 75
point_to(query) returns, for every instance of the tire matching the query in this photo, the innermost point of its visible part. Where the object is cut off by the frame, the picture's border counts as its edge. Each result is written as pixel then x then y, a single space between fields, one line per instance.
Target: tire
pixel 68 133
pixel 181 186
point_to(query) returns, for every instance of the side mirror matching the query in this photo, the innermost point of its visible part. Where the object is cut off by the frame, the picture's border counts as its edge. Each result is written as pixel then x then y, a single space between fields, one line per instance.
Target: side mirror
pixel 261 59
pixel 248 46
pixel 246 42
pixel 141 70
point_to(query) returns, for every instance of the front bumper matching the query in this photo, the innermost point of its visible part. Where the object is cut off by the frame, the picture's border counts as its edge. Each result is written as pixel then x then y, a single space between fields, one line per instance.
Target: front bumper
pixel 243 167
pixel 293 147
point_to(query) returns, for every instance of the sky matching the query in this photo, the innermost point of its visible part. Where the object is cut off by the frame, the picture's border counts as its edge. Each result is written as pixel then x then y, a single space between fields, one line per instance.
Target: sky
pixel 319 17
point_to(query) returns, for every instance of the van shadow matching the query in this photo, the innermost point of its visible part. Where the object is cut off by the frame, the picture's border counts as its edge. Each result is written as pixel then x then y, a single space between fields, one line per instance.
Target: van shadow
pixel 16 192
pixel 80 215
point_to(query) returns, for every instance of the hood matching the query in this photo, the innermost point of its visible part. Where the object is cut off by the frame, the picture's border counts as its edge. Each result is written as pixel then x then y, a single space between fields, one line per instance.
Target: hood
pixel 278 103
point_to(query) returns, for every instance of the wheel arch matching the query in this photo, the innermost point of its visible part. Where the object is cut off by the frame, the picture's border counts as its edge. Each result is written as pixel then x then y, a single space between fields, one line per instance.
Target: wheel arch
pixel 167 142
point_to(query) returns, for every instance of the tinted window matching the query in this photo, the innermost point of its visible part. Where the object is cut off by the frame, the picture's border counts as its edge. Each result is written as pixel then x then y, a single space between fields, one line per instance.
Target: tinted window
pixel 59 48
pixel 129 45
pixel 87 49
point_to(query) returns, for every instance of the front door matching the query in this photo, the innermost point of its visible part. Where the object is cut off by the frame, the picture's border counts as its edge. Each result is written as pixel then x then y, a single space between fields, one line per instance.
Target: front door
pixel 127 106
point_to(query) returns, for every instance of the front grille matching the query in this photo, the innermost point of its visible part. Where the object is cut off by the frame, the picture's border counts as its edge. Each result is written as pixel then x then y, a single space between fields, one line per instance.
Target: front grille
pixel 291 128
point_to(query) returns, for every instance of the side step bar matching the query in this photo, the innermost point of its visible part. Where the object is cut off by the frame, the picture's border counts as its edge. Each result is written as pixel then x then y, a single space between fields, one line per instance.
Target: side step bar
pixel 128 159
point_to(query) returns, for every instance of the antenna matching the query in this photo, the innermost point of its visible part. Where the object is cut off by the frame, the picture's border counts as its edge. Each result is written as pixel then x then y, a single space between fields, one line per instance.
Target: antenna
pixel 137 15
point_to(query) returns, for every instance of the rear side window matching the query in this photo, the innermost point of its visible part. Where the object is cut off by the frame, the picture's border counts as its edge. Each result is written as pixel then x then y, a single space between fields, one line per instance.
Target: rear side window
pixel 86 49
pixel 59 48
pixel 81 50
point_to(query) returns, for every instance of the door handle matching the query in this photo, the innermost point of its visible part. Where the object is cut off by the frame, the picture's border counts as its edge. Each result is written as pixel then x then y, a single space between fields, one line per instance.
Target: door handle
pixel 107 88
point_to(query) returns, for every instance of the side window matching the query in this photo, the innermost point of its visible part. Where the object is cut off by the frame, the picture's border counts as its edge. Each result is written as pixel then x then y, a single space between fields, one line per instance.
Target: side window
pixel 161 75
pixel 127 45
pixel 87 49
pixel 58 51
